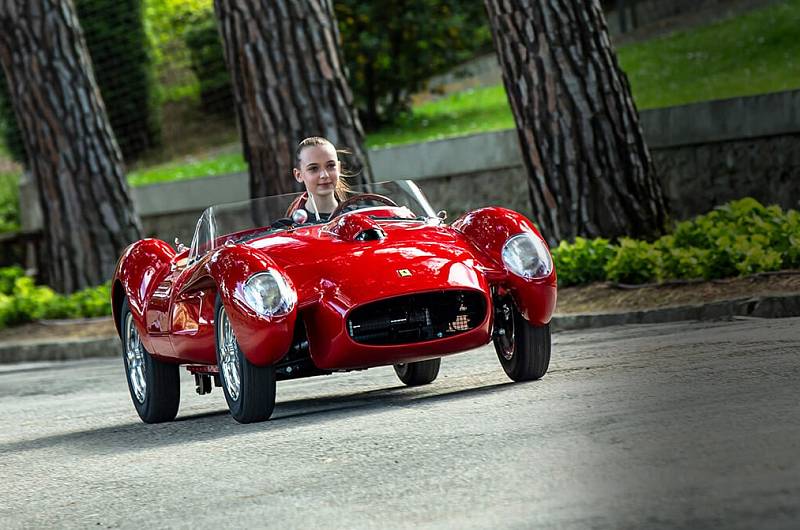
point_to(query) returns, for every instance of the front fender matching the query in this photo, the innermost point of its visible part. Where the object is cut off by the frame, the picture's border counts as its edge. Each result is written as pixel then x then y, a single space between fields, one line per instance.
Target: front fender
pixel 264 340
pixel 139 270
pixel 488 229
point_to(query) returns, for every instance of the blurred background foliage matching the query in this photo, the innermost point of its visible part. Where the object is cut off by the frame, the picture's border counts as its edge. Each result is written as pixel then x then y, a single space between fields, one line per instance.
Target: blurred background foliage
pixel 390 49
pixel 122 57
pixel 161 71
pixel 393 48
pixel 162 75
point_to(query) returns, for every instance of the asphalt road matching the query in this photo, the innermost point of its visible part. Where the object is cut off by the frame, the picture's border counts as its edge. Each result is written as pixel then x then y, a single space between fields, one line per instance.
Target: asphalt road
pixel 674 425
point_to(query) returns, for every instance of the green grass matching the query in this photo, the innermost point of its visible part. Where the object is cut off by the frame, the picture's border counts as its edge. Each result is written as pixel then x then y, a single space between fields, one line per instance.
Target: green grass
pixel 754 53
pixel 216 165
pixel 477 110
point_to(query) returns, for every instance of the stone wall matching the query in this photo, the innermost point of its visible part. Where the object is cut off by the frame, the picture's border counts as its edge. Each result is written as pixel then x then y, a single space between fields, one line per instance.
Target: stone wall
pixel 697 177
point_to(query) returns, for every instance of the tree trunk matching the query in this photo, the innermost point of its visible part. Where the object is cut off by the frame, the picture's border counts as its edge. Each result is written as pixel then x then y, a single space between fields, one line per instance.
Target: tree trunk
pixel 589 169
pixel 88 214
pixel 289 83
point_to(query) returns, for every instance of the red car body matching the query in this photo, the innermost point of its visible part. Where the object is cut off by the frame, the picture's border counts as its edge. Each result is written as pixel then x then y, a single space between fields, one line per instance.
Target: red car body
pixel 173 304
pixel 371 287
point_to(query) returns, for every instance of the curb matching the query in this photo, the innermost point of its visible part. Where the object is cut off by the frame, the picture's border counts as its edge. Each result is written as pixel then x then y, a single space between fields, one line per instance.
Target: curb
pixel 67 350
pixel 758 307
pixel 782 306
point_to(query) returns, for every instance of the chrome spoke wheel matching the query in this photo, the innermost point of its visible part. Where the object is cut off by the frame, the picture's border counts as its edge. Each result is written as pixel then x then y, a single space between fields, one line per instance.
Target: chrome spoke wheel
pixel 229 356
pixel 134 354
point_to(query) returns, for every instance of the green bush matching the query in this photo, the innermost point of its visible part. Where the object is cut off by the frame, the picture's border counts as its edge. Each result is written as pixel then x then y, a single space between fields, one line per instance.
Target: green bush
pixel 583 261
pixel 634 262
pixel 8 277
pixel 391 49
pixel 681 262
pixel 739 238
pixel 21 300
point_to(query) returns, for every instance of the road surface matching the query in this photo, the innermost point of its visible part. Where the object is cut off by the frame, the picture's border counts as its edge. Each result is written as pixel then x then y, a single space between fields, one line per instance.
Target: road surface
pixel 660 426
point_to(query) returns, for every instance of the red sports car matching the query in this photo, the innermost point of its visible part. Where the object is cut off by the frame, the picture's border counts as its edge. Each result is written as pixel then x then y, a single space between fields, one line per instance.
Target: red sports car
pixel 260 297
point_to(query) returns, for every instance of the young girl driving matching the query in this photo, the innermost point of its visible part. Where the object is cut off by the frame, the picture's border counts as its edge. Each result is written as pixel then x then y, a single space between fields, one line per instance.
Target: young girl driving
pixel 318 168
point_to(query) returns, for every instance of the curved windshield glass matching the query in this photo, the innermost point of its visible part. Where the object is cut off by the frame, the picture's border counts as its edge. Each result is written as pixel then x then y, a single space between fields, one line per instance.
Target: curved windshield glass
pixel 239 221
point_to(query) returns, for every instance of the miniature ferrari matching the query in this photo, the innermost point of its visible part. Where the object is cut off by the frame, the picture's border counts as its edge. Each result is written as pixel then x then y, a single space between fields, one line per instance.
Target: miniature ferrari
pixel 259 297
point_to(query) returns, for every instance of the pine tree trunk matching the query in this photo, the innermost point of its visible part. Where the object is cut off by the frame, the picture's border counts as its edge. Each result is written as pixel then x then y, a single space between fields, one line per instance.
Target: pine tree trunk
pixel 289 83
pixel 88 214
pixel 590 172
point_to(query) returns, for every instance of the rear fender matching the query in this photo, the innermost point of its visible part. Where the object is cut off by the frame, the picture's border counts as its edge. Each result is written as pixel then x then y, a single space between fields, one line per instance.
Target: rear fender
pixel 264 340
pixel 488 229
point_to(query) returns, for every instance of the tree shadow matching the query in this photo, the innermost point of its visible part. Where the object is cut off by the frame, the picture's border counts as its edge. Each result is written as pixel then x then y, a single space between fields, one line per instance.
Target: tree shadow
pixel 219 424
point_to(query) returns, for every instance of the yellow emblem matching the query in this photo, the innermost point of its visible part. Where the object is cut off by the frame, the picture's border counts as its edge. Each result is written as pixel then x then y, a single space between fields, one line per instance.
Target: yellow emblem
pixel 404 273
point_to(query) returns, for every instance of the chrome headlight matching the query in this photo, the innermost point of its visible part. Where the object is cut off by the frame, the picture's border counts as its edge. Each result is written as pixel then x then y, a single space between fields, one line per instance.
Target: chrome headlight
pixel 267 293
pixel 526 255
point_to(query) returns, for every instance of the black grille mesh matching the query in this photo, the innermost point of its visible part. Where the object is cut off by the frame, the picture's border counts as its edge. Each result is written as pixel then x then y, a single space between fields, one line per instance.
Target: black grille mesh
pixel 417 317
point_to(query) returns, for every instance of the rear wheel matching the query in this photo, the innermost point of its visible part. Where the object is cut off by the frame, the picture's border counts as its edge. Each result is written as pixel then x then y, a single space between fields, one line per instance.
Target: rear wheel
pixel 249 389
pixel 418 373
pixel 154 385
pixel 523 349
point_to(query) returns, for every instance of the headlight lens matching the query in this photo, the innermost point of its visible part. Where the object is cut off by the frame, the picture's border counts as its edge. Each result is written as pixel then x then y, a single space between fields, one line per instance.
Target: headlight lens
pixel 526 255
pixel 268 294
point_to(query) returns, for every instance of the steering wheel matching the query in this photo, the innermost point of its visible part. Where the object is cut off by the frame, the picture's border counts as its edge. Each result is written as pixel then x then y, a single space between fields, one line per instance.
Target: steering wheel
pixel 361 198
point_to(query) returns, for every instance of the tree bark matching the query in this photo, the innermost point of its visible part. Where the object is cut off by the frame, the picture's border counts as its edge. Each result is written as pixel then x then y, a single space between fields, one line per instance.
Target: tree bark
pixel 289 83
pixel 589 169
pixel 74 158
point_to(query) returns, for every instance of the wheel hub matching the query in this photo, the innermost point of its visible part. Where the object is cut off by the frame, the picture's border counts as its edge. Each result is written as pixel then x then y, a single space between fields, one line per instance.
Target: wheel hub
pixel 134 358
pixel 229 356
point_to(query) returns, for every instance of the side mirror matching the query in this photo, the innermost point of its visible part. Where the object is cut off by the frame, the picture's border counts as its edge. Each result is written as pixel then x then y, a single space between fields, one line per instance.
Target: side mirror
pixel 180 247
pixel 442 214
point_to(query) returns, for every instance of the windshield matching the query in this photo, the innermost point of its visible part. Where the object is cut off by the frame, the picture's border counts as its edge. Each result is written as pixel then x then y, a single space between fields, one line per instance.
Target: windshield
pixel 261 216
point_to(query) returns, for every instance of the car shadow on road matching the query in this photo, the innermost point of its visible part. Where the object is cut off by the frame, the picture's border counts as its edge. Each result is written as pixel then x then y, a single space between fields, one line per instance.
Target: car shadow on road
pixel 218 424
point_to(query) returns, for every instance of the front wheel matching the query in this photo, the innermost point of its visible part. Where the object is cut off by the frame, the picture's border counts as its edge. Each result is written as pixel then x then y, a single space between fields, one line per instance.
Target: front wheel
pixel 418 373
pixel 249 389
pixel 155 386
pixel 523 349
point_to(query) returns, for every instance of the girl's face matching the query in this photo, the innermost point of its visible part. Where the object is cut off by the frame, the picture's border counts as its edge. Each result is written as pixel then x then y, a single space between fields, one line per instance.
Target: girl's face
pixel 318 169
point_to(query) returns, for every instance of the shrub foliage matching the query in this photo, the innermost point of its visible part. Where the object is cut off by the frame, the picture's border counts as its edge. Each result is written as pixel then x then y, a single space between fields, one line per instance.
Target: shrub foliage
pixel 21 300
pixel 392 48
pixel 739 238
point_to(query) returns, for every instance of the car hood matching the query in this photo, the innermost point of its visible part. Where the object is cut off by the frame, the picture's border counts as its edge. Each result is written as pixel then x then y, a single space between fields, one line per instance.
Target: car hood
pixel 413 257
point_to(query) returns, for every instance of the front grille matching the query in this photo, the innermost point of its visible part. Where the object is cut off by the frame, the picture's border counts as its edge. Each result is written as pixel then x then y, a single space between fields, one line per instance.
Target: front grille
pixel 416 317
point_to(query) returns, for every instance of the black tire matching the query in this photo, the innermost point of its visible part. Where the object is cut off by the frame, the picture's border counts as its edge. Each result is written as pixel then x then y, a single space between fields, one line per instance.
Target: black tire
pixel 523 349
pixel 255 399
pixel 156 393
pixel 418 373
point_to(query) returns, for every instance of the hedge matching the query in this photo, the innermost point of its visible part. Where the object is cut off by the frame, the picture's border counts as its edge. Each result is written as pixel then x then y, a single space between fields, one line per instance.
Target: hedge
pixel 22 301
pixel 739 238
